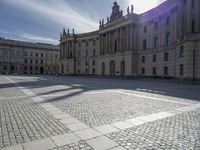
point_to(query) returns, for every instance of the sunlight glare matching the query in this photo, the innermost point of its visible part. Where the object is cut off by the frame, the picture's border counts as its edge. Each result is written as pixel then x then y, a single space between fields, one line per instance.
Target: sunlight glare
pixel 141 6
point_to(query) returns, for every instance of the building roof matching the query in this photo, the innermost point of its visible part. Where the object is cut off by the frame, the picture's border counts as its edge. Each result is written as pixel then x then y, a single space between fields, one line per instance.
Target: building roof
pixel 9 42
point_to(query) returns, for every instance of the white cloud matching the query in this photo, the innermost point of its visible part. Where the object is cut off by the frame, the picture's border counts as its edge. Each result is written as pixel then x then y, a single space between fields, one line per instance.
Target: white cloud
pixel 30 37
pixel 58 12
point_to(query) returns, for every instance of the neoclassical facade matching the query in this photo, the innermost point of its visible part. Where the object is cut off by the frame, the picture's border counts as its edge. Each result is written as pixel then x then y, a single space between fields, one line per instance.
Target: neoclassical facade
pixel 28 58
pixel 163 42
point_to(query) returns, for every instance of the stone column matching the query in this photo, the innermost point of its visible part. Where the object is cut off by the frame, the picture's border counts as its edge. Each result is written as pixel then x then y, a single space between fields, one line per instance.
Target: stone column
pixel 121 37
pixel 64 50
pixel 100 48
pixel 101 44
pixel 108 42
pixel 61 51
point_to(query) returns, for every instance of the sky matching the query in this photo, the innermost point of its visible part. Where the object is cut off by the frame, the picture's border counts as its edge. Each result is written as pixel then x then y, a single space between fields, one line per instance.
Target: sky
pixel 42 21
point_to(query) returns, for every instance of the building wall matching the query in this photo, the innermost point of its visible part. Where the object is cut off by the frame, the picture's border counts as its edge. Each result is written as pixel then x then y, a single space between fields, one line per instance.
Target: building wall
pixel 170 30
pixel 28 58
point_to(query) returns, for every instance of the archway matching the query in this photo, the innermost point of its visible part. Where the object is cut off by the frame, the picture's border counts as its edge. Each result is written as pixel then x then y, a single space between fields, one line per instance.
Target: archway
pixel 112 68
pixel 103 69
pixel 122 68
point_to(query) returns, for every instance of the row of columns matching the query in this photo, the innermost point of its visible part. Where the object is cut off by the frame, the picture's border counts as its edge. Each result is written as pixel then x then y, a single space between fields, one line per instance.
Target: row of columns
pixel 66 49
pixel 118 40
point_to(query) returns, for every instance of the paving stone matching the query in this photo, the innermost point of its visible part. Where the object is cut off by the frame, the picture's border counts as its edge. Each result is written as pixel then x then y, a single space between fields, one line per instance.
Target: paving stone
pixel 135 121
pixel 87 134
pixel 23 120
pixel 118 148
pixel 147 118
pixel 61 116
pixel 81 145
pixel 101 109
pixel 69 121
pixel 77 126
pixel 122 125
pixel 51 109
pixel 47 105
pixel 43 144
pixel 37 99
pixel 14 147
pixel 57 112
pixel 176 132
pixel 105 129
pixel 101 143
pixel 61 140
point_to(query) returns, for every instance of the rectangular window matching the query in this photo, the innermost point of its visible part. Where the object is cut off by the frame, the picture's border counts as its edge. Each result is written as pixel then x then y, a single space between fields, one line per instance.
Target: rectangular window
pixel 143 59
pixel 154 58
pixel 166 57
pixel 181 69
pixel 93 63
pixel 181 51
pixel 154 71
pixel 165 70
pixel 143 71
pixel 193 26
pixel 93 71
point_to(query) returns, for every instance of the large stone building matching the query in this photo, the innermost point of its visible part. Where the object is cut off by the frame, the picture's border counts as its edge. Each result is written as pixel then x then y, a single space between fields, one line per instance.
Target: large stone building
pixel 163 42
pixel 28 58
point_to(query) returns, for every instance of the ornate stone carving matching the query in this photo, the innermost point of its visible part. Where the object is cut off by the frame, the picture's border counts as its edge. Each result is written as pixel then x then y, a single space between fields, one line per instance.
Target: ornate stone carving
pixel 116 13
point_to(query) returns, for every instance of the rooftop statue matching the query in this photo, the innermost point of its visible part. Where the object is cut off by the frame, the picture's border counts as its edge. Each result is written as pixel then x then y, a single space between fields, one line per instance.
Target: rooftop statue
pixel 116 13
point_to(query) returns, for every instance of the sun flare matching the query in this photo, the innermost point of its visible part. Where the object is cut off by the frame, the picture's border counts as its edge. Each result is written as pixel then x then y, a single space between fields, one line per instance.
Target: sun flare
pixel 141 6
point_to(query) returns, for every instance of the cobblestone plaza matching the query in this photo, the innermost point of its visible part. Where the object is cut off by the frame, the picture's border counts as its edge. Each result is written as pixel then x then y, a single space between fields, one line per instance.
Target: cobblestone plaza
pixel 80 113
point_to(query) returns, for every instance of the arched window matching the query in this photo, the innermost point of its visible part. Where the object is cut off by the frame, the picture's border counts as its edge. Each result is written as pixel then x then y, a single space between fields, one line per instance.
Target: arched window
pixel 167 38
pixel 144 44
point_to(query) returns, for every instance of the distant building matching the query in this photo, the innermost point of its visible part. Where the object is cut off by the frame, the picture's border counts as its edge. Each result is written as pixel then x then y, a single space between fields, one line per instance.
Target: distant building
pixel 163 42
pixel 28 58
